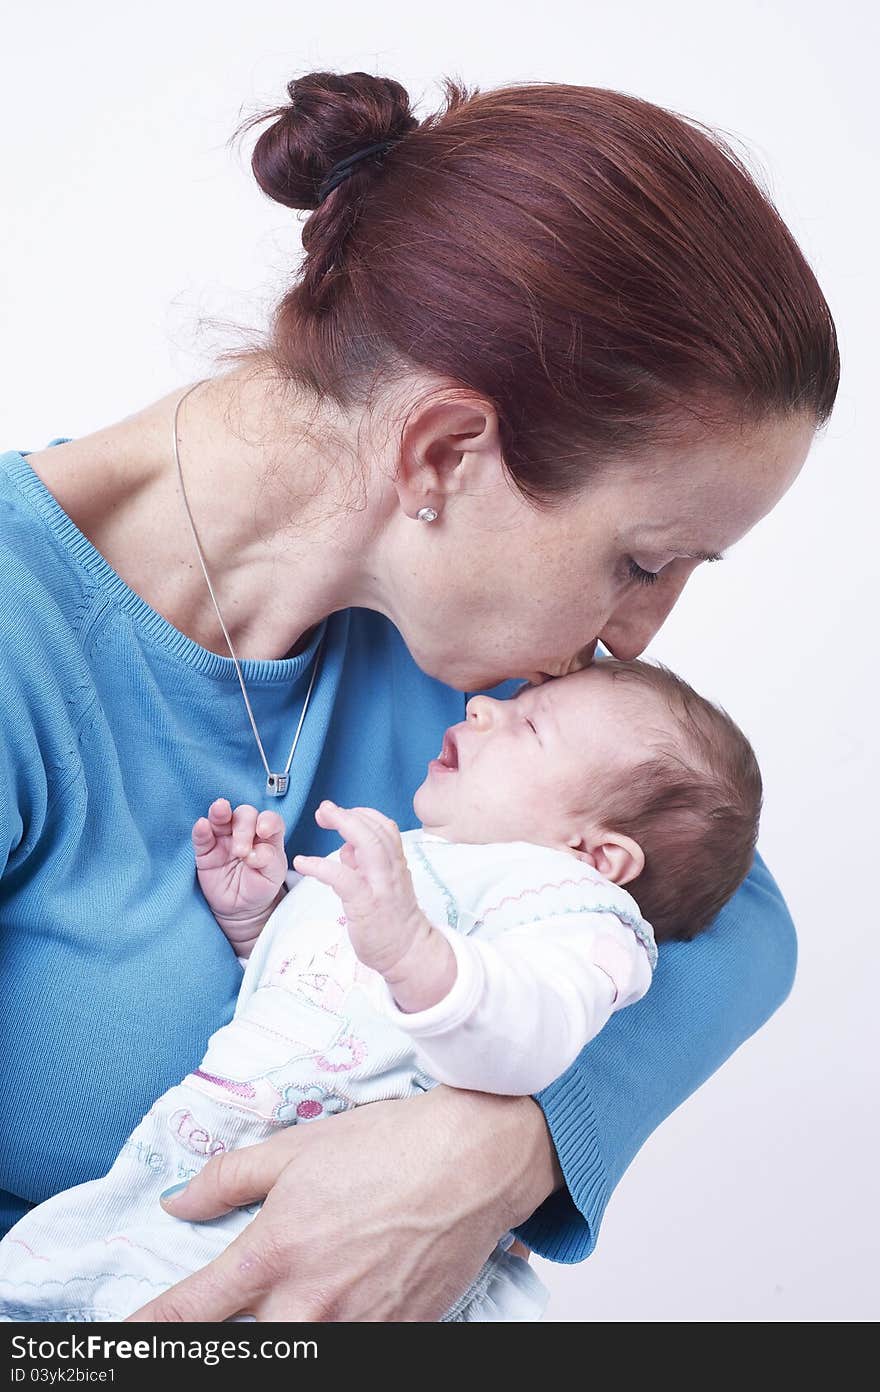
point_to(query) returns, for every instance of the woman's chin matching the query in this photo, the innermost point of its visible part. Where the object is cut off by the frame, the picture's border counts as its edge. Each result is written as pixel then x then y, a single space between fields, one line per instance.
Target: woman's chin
pixel 460 678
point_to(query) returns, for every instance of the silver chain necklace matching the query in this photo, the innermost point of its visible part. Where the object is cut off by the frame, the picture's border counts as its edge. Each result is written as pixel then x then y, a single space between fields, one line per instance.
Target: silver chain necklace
pixel 276 783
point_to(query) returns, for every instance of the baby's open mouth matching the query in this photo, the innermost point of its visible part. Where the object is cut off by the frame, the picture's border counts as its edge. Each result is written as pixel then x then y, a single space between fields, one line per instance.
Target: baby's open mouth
pixel 448 755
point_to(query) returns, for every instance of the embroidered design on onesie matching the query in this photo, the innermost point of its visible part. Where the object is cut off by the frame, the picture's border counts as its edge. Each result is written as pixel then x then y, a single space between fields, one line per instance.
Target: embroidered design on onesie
pixel 185 1128
pixel 449 897
pixel 588 877
pixel 345 1055
pixel 308 1103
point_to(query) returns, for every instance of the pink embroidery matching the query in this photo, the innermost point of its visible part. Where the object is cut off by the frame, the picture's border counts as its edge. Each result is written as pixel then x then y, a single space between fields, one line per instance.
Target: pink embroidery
pixel 307 1110
pixel 192 1136
pixel 613 959
pixel 138 1247
pixel 515 898
pixel 36 1256
pixel 117 1237
pixel 317 980
pixel 349 1052
pixel 239 1089
pixel 307 1103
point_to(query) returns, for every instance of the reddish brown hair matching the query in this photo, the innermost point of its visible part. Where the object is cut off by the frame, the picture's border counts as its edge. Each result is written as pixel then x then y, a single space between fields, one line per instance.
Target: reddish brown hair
pixel 606 272
pixel 693 806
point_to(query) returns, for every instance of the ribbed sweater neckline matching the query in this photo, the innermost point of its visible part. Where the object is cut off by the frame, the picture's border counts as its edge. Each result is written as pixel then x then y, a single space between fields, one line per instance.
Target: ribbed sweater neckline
pixel 151 623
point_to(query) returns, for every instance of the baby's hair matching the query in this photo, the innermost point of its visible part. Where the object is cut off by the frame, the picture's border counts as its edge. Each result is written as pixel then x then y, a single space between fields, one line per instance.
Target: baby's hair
pixel 693 807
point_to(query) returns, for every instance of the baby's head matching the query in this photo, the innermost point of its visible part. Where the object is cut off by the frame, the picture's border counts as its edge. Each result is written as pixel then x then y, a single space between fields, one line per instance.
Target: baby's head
pixel 624 766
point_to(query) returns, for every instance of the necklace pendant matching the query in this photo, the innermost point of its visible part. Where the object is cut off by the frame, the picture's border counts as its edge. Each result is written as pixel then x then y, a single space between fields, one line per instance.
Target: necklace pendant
pixel 276 784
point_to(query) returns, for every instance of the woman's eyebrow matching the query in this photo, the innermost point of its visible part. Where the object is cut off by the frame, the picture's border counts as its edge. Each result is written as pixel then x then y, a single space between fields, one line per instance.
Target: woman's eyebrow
pixel 676 549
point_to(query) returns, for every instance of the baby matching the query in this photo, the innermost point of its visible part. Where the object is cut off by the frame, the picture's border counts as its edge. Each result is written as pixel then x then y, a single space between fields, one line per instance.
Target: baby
pixel 482 949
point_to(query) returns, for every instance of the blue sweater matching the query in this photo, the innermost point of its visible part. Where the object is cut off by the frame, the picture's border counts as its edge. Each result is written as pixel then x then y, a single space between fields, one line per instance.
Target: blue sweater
pixel 117 732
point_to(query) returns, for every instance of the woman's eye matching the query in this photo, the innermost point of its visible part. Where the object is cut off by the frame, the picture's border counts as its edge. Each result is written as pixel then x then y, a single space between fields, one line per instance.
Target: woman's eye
pixel 643 577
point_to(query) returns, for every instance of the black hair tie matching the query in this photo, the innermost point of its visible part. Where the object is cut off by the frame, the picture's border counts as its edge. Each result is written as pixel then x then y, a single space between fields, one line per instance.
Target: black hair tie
pixel 341 171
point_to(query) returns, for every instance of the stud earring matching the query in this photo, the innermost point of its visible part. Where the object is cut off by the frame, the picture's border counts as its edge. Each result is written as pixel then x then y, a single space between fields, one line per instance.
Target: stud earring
pixel 427 514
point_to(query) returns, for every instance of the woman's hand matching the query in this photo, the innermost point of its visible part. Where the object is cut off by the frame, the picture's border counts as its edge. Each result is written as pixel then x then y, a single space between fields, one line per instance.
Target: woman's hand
pixel 383 1213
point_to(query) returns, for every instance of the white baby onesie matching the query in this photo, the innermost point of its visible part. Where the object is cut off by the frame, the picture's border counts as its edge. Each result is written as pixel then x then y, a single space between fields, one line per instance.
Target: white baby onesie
pixel 546 951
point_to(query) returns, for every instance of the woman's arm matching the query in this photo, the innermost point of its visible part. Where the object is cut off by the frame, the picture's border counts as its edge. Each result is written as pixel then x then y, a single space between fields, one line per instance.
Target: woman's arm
pixel 707 997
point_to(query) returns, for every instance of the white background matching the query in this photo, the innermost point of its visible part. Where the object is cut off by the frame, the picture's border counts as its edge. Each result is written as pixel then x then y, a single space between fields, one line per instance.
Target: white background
pixel 126 222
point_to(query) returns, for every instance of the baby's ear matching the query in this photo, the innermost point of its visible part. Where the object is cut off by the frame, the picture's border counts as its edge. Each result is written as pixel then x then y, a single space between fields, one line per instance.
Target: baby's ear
pixel 576 847
pixel 619 858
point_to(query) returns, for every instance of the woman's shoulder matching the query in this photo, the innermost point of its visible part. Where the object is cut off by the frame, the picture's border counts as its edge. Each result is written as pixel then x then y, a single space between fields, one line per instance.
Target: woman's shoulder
pixel 42 596
pixel 31 547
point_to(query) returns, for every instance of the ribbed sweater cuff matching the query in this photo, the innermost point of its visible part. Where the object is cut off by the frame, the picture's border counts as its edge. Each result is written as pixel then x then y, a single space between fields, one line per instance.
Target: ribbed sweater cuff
pixel 565 1227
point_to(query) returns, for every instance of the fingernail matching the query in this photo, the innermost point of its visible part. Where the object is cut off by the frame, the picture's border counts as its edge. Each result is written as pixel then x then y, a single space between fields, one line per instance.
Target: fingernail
pixel 174 1190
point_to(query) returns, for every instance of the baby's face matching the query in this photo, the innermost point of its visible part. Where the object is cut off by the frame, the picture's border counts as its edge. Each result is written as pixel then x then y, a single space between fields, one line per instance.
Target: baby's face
pixel 515 770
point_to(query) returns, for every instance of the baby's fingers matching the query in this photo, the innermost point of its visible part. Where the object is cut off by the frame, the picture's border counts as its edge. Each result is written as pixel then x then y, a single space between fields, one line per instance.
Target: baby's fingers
pixel 359 830
pixel 270 828
pixel 262 856
pixel 339 877
pixel 203 837
pixel 244 828
pixel 220 814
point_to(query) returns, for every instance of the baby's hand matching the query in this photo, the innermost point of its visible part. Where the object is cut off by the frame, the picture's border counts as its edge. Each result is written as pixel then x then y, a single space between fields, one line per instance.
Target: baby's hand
pixel 373 881
pixel 241 864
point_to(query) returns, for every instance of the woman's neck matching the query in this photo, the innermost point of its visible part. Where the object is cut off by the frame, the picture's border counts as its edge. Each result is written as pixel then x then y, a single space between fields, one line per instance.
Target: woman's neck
pixel 267 493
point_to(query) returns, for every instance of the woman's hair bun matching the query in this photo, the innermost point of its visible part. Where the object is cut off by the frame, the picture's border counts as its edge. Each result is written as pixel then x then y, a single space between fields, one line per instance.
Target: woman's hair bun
pixel 330 116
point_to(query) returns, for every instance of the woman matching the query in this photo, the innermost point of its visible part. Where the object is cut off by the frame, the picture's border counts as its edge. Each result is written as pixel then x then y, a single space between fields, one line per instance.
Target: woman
pixel 549 350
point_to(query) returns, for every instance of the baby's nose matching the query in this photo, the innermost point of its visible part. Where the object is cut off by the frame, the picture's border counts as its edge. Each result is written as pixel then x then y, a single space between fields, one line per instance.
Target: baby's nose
pixel 484 711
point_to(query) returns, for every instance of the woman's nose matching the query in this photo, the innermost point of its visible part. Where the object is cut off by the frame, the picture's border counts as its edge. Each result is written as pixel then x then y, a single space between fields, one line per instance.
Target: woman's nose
pixel 640 616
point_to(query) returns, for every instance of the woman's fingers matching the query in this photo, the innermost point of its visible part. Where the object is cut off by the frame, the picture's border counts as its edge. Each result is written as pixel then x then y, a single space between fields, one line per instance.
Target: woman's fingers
pixel 235 1282
pixel 418 1223
pixel 228 1286
pixel 232 1180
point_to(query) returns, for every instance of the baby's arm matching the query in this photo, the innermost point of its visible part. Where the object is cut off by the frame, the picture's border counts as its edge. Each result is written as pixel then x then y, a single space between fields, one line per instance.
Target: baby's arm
pixel 507 1016
pixel 241 865
pixel 523 1005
